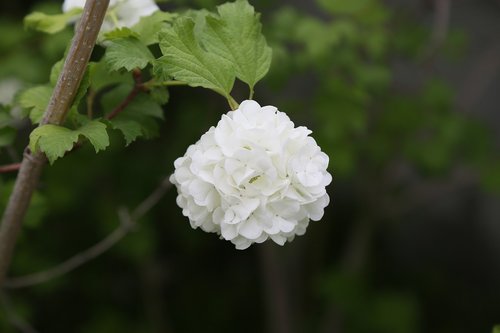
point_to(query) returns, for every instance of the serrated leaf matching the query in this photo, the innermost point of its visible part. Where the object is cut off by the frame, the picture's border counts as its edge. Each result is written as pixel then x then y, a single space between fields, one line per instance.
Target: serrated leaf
pixel 101 77
pixel 53 140
pixel 82 88
pixel 36 100
pixel 95 132
pixel 160 71
pixel 145 104
pixel 128 53
pixel 55 71
pixel 138 117
pixel 130 129
pixel 149 26
pixel 160 95
pixel 50 23
pixel 185 60
pixel 235 34
pixel 123 32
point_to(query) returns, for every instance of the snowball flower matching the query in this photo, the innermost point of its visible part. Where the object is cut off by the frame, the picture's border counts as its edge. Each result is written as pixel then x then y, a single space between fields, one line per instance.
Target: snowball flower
pixel 121 13
pixel 253 177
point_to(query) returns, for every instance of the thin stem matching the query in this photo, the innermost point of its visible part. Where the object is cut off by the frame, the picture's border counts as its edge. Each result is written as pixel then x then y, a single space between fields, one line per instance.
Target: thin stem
pixel 169 83
pixel 64 92
pixel 74 262
pixel 127 222
pixel 13 317
pixel 90 103
pixel 232 103
pixel 138 87
pixel 10 167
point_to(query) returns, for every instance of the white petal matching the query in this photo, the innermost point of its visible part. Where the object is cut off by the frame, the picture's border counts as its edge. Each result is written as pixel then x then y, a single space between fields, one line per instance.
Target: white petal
pixel 252 177
pixel 250 229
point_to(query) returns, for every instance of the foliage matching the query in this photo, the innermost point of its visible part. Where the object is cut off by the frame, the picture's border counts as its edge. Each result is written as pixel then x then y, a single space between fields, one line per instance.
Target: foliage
pixel 184 60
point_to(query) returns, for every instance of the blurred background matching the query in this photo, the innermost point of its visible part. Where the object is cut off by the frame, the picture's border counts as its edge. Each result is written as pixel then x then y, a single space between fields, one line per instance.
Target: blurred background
pixel 403 95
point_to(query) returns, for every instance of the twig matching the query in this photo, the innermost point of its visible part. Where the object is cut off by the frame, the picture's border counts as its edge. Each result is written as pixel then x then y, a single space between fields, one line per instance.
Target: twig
pixel 138 87
pixel 127 222
pixel 12 317
pixel 148 203
pixel 64 92
pixel 10 167
pixel 441 22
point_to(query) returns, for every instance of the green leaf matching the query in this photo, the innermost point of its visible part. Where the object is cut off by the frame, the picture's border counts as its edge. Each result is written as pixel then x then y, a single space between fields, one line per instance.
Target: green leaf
pixel 55 71
pixel 35 100
pixel 145 105
pixel 7 136
pixel 149 26
pixel 128 53
pixel 123 32
pixel 235 34
pixel 130 129
pixel 95 132
pixel 101 77
pixel 496 329
pixel 82 88
pixel 185 60
pixel 160 95
pixel 50 23
pixel 55 140
pixel 138 117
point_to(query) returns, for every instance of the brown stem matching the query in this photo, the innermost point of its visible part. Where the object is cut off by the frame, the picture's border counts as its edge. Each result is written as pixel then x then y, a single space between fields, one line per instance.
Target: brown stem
pixel 13 317
pixel 75 261
pixel 10 167
pixel 127 222
pixel 64 92
pixel 138 87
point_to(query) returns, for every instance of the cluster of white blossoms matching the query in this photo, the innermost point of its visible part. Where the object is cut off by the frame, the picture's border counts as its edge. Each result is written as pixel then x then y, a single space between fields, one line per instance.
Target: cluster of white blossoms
pixel 121 13
pixel 253 177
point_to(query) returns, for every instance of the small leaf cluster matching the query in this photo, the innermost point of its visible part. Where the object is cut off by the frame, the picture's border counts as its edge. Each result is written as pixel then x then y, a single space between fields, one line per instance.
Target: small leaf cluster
pixel 212 50
pixel 125 87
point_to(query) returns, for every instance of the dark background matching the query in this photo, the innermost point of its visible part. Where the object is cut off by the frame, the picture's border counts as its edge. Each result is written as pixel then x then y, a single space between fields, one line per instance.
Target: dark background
pixel 403 96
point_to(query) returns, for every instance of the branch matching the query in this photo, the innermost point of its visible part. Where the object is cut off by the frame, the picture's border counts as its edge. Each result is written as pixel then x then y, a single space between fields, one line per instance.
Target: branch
pixel 12 316
pixel 138 87
pixel 64 92
pixel 127 222
pixel 10 167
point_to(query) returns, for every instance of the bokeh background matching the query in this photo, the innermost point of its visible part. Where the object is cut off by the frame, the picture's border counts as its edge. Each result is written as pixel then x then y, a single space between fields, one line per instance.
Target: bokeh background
pixel 404 97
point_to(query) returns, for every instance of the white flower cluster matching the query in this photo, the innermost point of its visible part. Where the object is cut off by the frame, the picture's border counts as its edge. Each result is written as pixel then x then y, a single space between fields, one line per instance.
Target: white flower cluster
pixel 121 13
pixel 252 177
